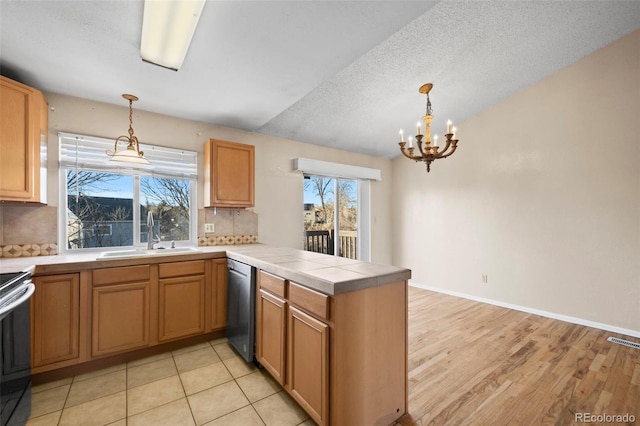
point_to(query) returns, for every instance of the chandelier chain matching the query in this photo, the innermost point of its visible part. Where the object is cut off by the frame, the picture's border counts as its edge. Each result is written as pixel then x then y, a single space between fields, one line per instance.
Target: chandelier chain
pixel 131 119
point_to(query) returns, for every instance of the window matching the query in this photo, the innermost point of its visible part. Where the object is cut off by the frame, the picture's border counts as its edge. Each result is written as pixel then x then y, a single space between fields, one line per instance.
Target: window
pixel 102 205
pixel 336 209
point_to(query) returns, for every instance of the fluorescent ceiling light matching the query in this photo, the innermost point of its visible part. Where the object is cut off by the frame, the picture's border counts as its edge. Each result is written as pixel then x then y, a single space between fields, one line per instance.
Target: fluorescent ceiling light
pixel 167 30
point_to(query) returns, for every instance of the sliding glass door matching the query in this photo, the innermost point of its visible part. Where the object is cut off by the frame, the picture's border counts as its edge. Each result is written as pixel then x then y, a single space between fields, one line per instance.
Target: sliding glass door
pixel 331 216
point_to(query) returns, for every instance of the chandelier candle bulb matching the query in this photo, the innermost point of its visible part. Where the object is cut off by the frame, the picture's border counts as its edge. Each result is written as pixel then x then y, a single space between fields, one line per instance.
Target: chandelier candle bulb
pixel 435 141
pixel 401 135
pixel 418 128
pixel 410 142
pixel 448 126
pixel 454 130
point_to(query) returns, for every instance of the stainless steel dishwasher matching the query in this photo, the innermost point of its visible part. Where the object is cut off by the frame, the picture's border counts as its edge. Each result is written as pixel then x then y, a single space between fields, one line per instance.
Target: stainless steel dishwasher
pixel 241 304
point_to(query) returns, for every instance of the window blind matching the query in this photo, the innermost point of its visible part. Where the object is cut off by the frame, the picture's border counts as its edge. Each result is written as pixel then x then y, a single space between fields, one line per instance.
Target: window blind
pixel 89 153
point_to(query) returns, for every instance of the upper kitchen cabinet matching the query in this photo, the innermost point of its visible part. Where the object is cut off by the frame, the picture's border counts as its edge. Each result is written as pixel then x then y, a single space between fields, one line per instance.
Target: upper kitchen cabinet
pixel 23 142
pixel 229 175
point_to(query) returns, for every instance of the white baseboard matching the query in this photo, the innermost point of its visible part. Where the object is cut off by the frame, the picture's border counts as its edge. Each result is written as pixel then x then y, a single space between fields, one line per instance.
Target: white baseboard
pixel 565 318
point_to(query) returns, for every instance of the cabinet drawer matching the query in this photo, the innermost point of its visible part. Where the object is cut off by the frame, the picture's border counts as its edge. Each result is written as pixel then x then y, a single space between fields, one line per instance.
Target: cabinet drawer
pixel 180 269
pixel 309 300
pixel 125 274
pixel 275 285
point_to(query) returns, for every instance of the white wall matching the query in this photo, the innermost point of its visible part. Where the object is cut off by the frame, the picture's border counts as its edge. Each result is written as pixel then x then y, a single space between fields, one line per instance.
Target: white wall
pixel 543 196
pixel 279 197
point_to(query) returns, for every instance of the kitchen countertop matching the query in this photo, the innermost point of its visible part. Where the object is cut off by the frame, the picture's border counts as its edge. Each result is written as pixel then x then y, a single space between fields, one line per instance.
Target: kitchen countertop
pixel 320 272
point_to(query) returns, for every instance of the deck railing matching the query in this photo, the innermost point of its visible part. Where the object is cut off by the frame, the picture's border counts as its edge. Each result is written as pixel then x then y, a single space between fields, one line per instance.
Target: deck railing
pixel 319 241
pixel 348 244
pixel 322 242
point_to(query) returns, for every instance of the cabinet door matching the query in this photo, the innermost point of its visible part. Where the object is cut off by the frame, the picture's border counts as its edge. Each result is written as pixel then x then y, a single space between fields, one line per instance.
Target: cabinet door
pixel 55 317
pixel 308 364
pixel 229 174
pixel 271 317
pixel 218 285
pixel 120 317
pixel 181 307
pixel 20 130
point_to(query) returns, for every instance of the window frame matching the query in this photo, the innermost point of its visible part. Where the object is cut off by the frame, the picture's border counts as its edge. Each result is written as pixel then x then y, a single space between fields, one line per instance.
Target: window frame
pixel 136 172
pixel 363 176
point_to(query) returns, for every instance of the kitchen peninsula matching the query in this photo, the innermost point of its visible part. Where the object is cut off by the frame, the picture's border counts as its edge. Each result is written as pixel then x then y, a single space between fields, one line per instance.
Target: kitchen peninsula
pixel 332 330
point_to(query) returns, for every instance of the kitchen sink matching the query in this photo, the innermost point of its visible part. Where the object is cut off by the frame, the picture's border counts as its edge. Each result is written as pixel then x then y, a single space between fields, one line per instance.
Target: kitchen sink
pixel 121 254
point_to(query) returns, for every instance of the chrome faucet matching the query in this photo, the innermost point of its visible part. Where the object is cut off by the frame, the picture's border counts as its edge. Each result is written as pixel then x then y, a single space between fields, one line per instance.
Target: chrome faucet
pixel 151 240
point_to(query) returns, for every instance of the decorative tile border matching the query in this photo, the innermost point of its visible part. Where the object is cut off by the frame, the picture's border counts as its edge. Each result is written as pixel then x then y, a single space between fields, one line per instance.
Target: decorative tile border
pixel 49 249
pixel 28 250
pixel 225 240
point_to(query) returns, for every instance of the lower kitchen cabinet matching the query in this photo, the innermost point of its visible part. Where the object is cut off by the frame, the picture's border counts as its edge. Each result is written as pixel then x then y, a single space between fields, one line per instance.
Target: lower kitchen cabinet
pixel 308 364
pixel 345 354
pixel 217 294
pixel 121 309
pixel 181 297
pixel 292 345
pixel 271 338
pixel 92 314
pixel 55 319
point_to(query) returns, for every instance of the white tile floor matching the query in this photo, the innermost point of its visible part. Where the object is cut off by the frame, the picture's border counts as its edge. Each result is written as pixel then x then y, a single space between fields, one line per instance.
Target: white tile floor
pixel 204 384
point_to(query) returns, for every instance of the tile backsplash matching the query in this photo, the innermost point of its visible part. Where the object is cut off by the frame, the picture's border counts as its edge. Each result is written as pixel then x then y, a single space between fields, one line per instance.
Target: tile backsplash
pixel 28 230
pixel 32 230
pixel 232 226
pixel 28 250
pixel 28 224
pixel 226 240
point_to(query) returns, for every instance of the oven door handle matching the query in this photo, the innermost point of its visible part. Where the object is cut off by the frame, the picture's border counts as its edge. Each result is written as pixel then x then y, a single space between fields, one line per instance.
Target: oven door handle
pixel 24 297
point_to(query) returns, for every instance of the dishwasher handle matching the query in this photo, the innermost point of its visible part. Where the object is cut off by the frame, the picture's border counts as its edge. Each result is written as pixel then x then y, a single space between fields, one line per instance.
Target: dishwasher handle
pixel 239 268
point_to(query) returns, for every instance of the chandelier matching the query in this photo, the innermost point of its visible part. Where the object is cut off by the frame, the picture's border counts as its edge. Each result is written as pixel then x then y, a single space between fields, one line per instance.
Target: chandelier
pixel 132 153
pixel 427 151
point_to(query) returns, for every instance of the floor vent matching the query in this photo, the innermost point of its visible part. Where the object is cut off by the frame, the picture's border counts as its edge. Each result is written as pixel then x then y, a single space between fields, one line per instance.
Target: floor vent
pixel 624 342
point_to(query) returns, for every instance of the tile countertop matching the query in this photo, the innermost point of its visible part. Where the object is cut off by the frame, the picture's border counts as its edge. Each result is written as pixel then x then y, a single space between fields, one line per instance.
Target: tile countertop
pixel 321 272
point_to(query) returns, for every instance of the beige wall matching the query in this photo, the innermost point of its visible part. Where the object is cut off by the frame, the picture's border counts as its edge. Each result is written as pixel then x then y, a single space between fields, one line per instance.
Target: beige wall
pixel 543 196
pixel 278 189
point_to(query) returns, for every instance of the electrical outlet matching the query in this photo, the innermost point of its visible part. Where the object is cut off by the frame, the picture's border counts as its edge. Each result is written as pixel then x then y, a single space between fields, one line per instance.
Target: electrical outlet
pixel 485 279
pixel 209 228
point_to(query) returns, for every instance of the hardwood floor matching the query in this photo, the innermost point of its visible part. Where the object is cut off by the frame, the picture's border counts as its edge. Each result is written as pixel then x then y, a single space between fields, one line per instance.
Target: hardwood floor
pixel 476 364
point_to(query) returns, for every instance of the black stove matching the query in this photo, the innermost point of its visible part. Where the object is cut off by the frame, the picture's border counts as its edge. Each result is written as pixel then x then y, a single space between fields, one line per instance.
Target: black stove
pixel 15 347
pixel 11 281
pixel 11 277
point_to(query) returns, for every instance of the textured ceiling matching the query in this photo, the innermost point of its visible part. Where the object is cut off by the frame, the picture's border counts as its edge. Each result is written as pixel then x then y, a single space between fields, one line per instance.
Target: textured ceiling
pixel 334 73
